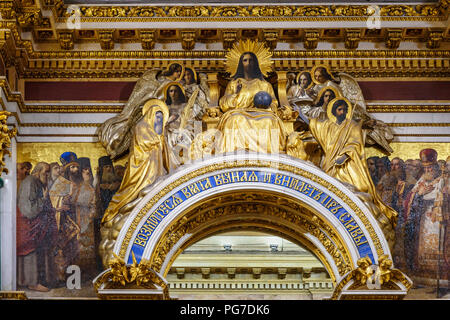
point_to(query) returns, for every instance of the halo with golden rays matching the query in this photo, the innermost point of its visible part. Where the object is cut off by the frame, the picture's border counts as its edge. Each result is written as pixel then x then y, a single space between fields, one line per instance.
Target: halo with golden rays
pixel 258 48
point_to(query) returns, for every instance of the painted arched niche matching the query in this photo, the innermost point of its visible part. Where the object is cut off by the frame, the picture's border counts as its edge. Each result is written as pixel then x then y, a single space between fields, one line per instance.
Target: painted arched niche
pixel 275 194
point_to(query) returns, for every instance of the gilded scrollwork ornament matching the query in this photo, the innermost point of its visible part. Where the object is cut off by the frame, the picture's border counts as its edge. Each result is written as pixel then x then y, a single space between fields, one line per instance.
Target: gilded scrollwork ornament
pixel 5 139
pixel 373 281
pixel 139 276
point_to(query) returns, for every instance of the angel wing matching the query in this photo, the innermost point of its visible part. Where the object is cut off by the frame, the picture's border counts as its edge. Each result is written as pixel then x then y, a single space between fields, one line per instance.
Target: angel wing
pixel 115 133
pixel 381 134
pixel 351 89
pixel 146 88
pixel 204 85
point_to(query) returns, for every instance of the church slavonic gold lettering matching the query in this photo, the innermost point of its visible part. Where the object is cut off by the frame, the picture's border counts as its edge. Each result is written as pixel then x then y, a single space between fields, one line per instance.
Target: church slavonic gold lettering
pixel 306 189
pixel 176 200
pixel 351 227
pixel 139 242
pixel 253 177
pixel 285 182
pixel 357 232
pixel 226 177
pixel 235 176
pixel 278 179
pixel 186 192
pixel 193 188
pixel 155 218
pixel 162 210
pixel 331 204
pixel 312 191
pixel 169 204
pixel 293 184
pixel 218 179
pixel 335 209
pixel 318 195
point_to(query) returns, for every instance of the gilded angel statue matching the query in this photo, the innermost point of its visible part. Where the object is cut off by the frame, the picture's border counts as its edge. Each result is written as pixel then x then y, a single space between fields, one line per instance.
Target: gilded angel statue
pixel 193 81
pixel 185 113
pixel 379 133
pixel 115 134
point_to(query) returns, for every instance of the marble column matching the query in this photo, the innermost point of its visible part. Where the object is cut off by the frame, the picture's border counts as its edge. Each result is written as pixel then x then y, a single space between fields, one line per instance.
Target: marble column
pixel 8 222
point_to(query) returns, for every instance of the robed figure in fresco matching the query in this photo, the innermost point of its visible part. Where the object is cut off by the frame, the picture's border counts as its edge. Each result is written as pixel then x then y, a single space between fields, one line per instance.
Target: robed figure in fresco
pixel 35 231
pixel 342 141
pixel 244 125
pixel 148 156
pixel 425 212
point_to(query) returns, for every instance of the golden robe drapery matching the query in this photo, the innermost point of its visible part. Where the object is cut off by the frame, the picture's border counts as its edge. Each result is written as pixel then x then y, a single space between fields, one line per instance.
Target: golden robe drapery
pixel 245 127
pixel 347 138
pixel 147 161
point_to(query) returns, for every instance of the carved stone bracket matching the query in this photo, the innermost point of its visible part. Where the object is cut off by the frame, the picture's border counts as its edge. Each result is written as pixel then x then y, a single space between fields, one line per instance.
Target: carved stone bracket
pixel 8 9
pixel 106 39
pixel 229 38
pixel 5 139
pixel 66 40
pixel 352 38
pixel 368 281
pixel 148 39
pixel 135 281
pixel 271 38
pixel 31 17
pixel 311 38
pixel 435 38
pixel 393 38
pixel 188 39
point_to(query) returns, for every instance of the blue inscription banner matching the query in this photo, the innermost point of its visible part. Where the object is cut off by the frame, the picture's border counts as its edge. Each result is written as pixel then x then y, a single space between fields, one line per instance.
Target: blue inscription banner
pixel 206 184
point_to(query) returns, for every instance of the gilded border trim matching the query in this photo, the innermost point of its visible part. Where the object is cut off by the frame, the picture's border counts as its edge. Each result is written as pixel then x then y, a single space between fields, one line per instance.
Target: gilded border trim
pixel 396 12
pixel 248 163
pixel 408 108
pixel 421 124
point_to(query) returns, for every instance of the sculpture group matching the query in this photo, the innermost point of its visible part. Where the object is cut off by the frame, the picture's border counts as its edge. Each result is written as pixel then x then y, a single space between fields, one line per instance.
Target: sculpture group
pixel 172 117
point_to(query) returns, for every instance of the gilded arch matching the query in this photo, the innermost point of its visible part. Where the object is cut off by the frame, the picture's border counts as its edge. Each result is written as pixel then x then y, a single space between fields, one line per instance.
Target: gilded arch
pixel 274 193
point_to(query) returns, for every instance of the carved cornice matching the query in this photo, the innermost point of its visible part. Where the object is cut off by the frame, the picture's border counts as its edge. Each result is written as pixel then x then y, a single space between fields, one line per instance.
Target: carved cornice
pixel 373 65
pixel 408 108
pixel 433 12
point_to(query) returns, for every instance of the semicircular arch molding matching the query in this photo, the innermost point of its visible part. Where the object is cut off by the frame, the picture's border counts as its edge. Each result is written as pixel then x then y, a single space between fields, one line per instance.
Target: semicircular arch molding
pixel 307 206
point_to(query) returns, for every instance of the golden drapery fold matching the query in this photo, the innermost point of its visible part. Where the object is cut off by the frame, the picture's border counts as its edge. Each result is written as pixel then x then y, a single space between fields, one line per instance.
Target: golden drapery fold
pixel 245 127
pixel 148 158
pixel 252 130
pixel 244 99
pixel 347 138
